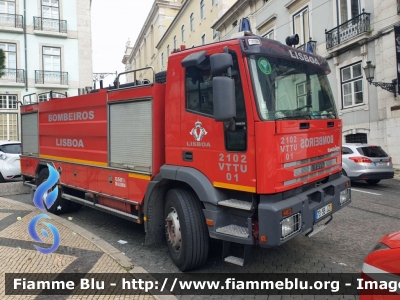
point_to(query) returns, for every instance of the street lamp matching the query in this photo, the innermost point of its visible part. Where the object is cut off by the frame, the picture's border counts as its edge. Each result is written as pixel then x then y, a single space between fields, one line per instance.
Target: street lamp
pixel 369 70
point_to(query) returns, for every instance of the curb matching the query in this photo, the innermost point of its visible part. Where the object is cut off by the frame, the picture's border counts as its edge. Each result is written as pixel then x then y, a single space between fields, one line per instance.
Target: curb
pixel 13 188
pixel 124 261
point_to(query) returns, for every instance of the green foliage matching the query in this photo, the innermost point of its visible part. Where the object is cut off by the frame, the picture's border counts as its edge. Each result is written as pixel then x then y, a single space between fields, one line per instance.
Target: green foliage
pixel 2 62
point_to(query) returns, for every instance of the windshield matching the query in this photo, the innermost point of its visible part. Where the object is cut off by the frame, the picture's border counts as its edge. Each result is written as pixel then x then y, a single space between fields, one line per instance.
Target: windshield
pixel 287 89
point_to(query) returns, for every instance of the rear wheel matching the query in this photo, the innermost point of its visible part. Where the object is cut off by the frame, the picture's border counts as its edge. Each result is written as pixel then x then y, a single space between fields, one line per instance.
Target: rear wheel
pixel 344 172
pixel 60 206
pixel 373 181
pixel 1 178
pixel 186 230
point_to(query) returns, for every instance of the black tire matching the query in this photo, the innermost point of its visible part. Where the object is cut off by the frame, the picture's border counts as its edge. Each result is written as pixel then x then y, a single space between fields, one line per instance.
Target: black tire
pixel 60 206
pixel 193 243
pixel 1 178
pixel 74 206
pixel 344 173
pixel 373 181
pixel 161 77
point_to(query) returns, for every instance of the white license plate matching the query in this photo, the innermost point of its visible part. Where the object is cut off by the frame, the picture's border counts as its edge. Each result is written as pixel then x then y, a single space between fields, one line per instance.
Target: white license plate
pixel 319 213
pixel 381 164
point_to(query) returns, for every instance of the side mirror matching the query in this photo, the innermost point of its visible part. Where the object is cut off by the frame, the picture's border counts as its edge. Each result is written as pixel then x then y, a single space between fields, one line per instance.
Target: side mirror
pixel 224 98
pixel 220 63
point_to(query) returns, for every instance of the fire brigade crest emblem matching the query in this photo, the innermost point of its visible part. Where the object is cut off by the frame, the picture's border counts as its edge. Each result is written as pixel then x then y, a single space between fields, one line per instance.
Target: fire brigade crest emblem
pixel 198 132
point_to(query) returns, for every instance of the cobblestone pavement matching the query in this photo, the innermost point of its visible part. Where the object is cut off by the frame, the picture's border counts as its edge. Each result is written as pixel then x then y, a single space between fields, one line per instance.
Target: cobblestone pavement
pixel 340 248
pixel 76 254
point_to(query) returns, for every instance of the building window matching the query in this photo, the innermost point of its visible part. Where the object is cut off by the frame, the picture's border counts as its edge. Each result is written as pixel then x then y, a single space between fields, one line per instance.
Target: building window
pixel 50 9
pixel 301 94
pixel 352 86
pixel 168 51
pixel 202 12
pixel 175 42
pixel 51 59
pixel 183 33
pixel 191 22
pixel 357 138
pixel 269 35
pixel 348 9
pixel 8 102
pixel 203 39
pixel 213 2
pixel 10 51
pixel 7 7
pixel 162 60
pixel 301 26
pixel 9 127
pixel 215 34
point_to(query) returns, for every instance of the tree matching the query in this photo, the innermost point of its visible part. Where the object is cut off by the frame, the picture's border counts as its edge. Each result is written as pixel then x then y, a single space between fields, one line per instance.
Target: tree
pixel 2 62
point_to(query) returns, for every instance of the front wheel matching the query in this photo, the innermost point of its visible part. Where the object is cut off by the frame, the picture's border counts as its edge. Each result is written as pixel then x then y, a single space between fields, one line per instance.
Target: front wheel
pixel 373 181
pixel 60 206
pixel 185 229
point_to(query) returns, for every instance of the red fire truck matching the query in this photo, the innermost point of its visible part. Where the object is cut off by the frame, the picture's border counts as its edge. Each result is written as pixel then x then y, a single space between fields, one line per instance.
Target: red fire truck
pixel 238 141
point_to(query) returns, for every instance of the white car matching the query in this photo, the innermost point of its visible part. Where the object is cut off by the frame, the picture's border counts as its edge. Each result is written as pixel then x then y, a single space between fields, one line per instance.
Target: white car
pixel 10 167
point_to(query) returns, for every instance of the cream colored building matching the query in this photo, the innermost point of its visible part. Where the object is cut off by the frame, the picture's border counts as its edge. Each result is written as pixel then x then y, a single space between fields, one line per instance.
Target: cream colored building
pixel 169 25
pixel 144 53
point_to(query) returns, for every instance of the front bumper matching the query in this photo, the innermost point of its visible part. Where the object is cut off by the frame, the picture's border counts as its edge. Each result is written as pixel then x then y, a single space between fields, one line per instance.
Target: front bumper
pixel 306 203
pixel 373 175
pixel 10 171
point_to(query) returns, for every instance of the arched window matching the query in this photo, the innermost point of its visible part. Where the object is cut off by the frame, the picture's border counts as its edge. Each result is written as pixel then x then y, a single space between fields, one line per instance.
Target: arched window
pixel 202 13
pixel 192 22
pixel 174 42
pixel 168 51
pixel 183 33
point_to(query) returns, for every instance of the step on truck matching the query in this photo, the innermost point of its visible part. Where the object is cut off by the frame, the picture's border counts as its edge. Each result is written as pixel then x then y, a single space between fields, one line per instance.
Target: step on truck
pixel 238 140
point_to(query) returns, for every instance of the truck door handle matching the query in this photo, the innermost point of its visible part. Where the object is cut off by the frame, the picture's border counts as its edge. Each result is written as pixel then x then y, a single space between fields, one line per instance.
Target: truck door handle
pixel 187 155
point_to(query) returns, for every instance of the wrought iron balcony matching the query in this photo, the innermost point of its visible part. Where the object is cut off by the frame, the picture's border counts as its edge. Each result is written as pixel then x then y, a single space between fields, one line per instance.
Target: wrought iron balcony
pixel 8 20
pixel 13 75
pixel 52 77
pixel 348 30
pixel 54 25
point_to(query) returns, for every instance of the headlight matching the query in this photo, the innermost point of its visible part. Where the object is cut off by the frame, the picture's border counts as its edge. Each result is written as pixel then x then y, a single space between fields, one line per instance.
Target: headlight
pixel 290 225
pixel 3 156
pixel 345 196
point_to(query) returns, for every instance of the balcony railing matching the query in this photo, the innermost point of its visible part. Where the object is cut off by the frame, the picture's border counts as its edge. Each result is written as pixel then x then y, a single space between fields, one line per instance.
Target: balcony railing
pixel 52 77
pixel 13 75
pixel 54 25
pixel 348 30
pixel 8 20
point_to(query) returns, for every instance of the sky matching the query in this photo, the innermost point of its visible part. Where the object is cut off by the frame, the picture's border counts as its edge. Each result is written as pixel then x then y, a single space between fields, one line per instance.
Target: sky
pixel 113 22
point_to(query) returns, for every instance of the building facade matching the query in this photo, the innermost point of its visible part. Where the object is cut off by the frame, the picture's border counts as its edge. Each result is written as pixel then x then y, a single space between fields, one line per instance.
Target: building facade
pixel 48 48
pixel 348 33
pixel 171 24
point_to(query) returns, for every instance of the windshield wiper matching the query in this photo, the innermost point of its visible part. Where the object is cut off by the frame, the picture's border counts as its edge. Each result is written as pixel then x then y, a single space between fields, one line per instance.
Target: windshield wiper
pixel 294 117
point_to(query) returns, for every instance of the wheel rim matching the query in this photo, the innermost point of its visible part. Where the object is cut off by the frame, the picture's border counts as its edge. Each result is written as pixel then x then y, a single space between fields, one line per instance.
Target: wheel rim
pixel 173 229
